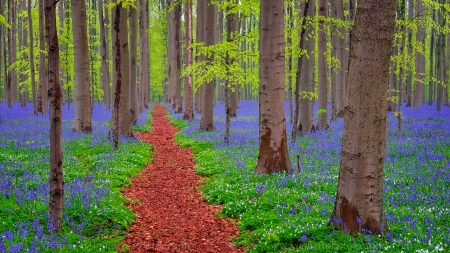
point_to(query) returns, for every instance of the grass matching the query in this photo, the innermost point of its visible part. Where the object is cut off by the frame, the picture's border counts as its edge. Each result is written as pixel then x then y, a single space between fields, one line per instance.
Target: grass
pixel 95 216
pixel 290 213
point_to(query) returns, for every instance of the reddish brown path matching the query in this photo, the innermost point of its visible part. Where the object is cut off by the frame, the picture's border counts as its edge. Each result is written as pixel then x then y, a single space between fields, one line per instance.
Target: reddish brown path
pixel 171 216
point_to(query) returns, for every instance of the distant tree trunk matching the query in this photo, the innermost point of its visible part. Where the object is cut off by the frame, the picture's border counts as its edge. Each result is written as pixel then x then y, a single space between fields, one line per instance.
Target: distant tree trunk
pixel 42 92
pixel 23 41
pixel 13 51
pixel 359 198
pixel 432 67
pixel 290 64
pixel 306 117
pixel 303 10
pixel 420 61
pixel 208 95
pixel 104 54
pixel 83 115
pixel 61 15
pixel 124 111
pixel 273 150
pixel 134 105
pixel 8 86
pixel 391 91
pixel 323 79
pixel 174 21
pixel 32 70
pixel 410 51
pixel 144 55
pixel 188 106
pixel 440 53
pixel 54 93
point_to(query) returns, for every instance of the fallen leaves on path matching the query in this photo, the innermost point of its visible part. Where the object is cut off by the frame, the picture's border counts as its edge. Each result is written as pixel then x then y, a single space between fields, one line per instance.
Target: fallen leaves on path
pixel 171 216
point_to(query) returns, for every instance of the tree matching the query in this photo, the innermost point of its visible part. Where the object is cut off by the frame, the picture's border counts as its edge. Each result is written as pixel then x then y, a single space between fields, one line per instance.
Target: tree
pixel 188 106
pixel 105 79
pixel 174 26
pixel 42 91
pixel 32 70
pixel 338 75
pixel 54 94
pixel 134 102
pixel 273 150
pixel 144 76
pixel 359 198
pixel 208 95
pixel 323 79
pixel 83 115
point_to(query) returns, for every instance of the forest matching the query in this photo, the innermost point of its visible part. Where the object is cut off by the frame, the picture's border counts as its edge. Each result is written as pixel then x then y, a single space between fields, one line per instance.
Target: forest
pixel 224 126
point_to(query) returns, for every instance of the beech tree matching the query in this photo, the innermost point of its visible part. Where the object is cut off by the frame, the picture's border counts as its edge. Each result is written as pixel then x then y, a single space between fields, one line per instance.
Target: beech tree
pixel 83 115
pixel 323 79
pixel 359 198
pixel 42 91
pixel 273 150
pixel 188 106
pixel 174 27
pixel 144 75
pixel 54 94
pixel 133 73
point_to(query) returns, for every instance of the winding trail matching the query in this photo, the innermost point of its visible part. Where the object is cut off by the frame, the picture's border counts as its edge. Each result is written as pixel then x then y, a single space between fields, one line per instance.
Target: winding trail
pixel 171 216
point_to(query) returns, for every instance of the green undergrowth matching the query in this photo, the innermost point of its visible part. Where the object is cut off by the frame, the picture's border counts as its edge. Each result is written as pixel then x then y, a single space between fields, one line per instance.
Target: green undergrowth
pixel 281 212
pixel 95 214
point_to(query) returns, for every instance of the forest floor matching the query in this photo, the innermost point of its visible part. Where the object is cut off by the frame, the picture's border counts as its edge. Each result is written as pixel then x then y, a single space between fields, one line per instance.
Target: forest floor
pixel 171 215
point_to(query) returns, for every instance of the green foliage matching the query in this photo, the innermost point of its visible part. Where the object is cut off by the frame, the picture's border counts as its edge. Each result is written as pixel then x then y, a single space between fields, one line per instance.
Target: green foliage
pixel 4 22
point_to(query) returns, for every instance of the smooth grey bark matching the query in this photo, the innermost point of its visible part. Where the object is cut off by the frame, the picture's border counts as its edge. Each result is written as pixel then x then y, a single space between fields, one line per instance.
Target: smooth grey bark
pixel 32 69
pixel 54 93
pixel 208 95
pixel 133 73
pixel 42 91
pixel 174 27
pixel 83 115
pixel 359 198
pixel 306 116
pixel 419 78
pixel 144 65
pixel 273 150
pixel 323 70
pixel 104 54
pixel 338 75
pixel 432 66
pixel 188 106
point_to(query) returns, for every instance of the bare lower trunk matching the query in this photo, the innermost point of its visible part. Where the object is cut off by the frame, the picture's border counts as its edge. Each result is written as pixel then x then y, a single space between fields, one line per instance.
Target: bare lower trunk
pixel 208 95
pixel 273 150
pixel 83 114
pixel 32 70
pixel 42 93
pixel 323 80
pixel 54 94
pixel 144 56
pixel 188 110
pixel 359 198
pixel 134 103
pixel 104 57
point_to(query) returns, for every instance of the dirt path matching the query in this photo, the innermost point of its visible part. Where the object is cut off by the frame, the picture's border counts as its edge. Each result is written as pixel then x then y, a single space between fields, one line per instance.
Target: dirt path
pixel 171 216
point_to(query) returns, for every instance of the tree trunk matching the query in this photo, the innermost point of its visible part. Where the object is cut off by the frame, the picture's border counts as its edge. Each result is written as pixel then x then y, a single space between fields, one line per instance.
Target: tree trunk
pixel 13 51
pixel 432 67
pixel 208 95
pixel 323 80
pixel 54 94
pixel 144 56
pixel 174 21
pixel 303 10
pixel 61 47
pixel 359 198
pixel 42 92
pixel 124 111
pixel 188 107
pixel 33 78
pixel 134 105
pixel 273 150
pixel 420 61
pixel 440 53
pixel 23 41
pixel 306 117
pixel 83 115
pixel 104 54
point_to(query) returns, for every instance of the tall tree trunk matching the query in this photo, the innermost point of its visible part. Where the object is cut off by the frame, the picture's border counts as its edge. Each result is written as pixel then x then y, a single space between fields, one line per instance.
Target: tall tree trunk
pixel 273 150
pixel 303 10
pixel 306 117
pixel 42 92
pixel 440 53
pixel 359 198
pixel 32 70
pixel 410 51
pixel 290 61
pixel 124 111
pixel 134 106
pixel 144 55
pixel 420 60
pixel 61 15
pixel 83 114
pixel 9 84
pixel 432 67
pixel 104 69
pixel 174 21
pixel 54 94
pixel 323 79
pixel 13 51
pixel 200 34
pixel 188 106
pixel 207 119
pixel 23 42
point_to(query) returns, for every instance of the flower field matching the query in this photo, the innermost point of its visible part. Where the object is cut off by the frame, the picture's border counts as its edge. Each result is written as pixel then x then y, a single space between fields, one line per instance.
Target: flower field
pixel 94 212
pixel 290 213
